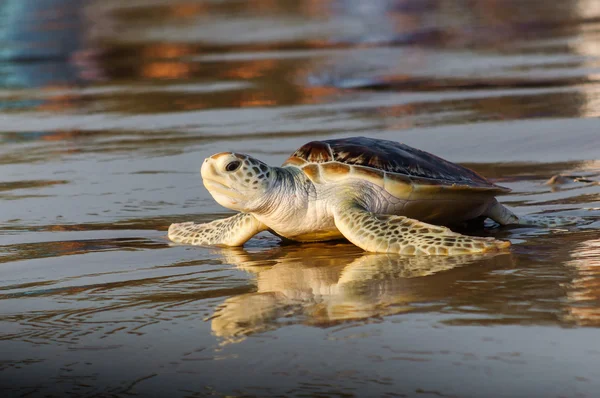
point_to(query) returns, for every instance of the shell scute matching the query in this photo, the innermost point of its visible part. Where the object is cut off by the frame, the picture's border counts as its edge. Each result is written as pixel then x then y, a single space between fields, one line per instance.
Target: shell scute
pixel 398 185
pixel 313 172
pixel 369 156
pixel 335 170
pixel 374 176
pixel 314 152
pixel 295 161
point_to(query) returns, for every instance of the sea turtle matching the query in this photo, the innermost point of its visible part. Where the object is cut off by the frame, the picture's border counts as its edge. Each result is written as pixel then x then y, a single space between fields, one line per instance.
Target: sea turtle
pixel 381 195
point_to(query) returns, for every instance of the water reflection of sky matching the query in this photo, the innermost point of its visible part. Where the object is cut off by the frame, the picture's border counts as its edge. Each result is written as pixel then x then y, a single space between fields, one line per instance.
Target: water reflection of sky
pixel 37 39
pixel 110 107
pixel 583 291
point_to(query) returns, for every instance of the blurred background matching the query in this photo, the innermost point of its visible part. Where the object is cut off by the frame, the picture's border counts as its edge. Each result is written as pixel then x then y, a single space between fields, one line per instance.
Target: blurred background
pixel 107 109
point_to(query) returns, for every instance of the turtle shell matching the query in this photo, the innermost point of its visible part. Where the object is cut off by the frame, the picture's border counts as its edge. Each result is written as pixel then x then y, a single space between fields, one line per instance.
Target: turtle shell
pixel 398 168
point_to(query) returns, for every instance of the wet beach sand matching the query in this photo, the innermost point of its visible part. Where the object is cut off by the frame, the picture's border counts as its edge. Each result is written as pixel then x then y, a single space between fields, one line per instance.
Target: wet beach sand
pixel 108 108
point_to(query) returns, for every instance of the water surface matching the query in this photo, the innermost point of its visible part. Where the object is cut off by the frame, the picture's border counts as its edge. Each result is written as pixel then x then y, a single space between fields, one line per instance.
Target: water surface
pixel 108 109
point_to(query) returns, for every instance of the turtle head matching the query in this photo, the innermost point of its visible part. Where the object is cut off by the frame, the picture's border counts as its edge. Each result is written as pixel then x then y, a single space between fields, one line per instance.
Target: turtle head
pixel 236 181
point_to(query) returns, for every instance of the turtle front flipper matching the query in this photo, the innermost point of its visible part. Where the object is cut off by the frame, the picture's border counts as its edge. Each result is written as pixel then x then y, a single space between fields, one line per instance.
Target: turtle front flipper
pixel 403 235
pixel 232 231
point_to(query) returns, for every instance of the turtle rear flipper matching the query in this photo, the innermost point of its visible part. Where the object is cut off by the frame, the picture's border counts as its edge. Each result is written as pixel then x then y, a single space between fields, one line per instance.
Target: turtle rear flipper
pixel 403 235
pixel 551 221
pixel 503 216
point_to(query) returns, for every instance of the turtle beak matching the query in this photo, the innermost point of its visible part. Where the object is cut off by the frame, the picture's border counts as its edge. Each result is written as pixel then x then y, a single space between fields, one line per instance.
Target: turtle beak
pixel 208 169
pixel 215 182
pixel 215 187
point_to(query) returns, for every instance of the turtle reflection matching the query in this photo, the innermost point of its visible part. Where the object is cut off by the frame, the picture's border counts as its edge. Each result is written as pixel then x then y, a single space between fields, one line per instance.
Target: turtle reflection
pixel 324 285
pixel 583 292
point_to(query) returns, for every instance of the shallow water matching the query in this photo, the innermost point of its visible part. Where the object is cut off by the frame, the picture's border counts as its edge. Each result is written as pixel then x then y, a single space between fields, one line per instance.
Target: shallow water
pixel 107 111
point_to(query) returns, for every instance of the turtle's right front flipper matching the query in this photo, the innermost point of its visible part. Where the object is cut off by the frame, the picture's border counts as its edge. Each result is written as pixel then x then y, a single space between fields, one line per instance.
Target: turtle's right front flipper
pixel 402 235
pixel 232 231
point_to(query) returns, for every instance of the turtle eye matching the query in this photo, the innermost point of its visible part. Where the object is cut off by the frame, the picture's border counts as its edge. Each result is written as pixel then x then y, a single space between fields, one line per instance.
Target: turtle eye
pixel 233 166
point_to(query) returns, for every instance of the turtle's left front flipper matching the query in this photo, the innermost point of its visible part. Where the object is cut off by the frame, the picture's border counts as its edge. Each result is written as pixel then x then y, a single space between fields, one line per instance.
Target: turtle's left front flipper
pixel 232 231
pixel 403 235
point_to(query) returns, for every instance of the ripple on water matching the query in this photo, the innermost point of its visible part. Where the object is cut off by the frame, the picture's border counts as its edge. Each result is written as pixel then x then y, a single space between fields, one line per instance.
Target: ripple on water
pixel 583 291
pixel 102 138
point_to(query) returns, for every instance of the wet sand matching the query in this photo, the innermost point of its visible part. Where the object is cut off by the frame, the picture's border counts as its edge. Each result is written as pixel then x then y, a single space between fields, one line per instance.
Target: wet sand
pixel 102 135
